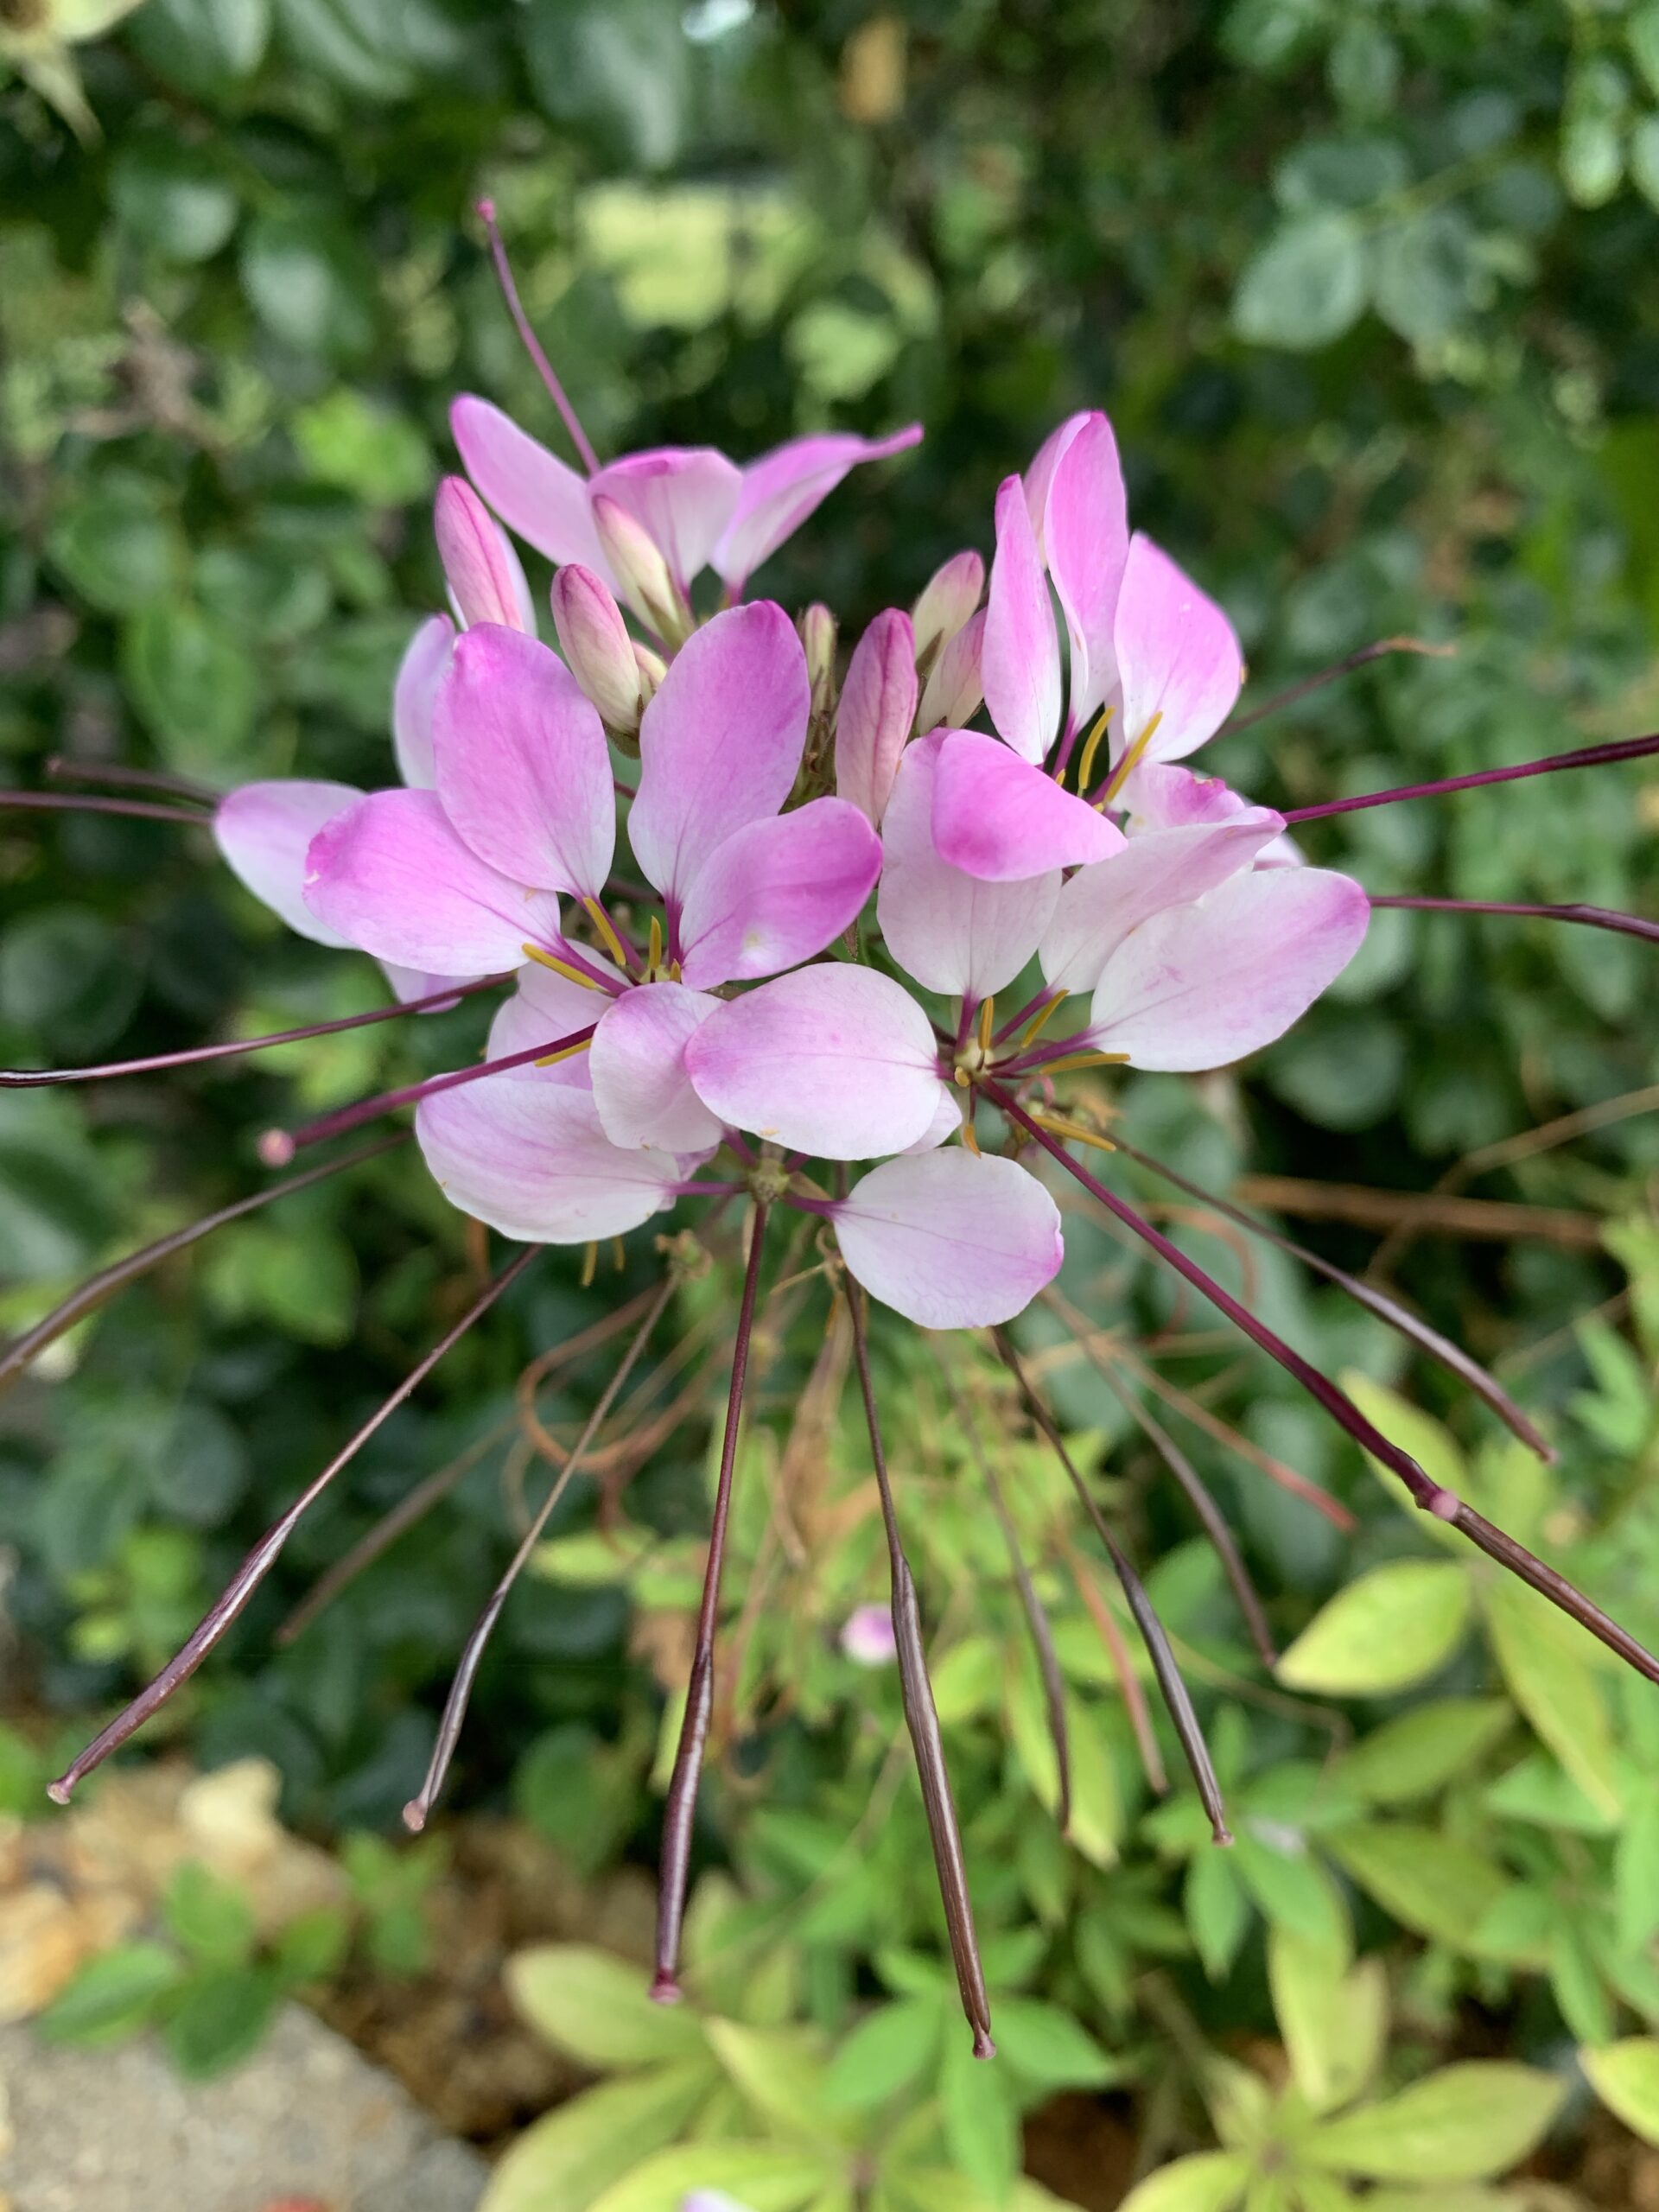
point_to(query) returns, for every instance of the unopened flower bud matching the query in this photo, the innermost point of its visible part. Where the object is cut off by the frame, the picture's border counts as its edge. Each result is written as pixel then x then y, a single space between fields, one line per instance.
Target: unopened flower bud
pixel 818 637
pixel 947 599
pixel 954 687
pixel 641 573
pixel 652 668
pixel 878 705
pixel 594 641
pixel 486 582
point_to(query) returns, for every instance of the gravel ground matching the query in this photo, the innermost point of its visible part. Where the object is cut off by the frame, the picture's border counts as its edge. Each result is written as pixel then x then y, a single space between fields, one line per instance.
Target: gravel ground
pixel 307 2121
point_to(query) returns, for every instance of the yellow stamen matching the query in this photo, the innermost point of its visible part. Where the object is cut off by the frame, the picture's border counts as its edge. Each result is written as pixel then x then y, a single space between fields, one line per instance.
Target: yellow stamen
pixel 1081 1060
pixel 987 1015
pixel 1038 1022
pixel 589 1262
pixel 552 1059
pixel 1091 746
pixel 969 1137
pixel 1072 1131
pixel 601 921
pixel 618 1254
pixel 1121 774
pixel 961 1077
pixel 654 951
pixel 674 971
pixel 561 967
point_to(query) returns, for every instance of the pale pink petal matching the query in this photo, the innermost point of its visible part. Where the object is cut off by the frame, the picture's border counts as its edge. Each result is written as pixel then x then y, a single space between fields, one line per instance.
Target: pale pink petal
pixel 524 768
pixel 485 576
pixel 1199 986
pixel 776 892
pixel 836 1061
pixel 1177 657
pixel 1283 852
pixel 531 1160
pixel 1040 475
pixel 1086 540
pixel 954 687
pixel 682 496
pixel 415 695
pixel 951 932
pixel 1021 659
pixel 951 1240
pixel 721 742
pixel 264 831
pixel 953 1108
pixel 867 1639
pixel 1160 796
pixel 1001 818
pixel 531 489
pixel 949 598
pixel 780 490
pixel 1100 905
pixel 391 875
pixel 544 1008
pixel 638 1060
pixel 878 705
pixel 409 983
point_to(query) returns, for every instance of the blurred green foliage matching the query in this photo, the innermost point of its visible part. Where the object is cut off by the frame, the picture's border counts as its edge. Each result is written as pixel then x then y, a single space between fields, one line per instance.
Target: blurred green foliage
pixel 1371 292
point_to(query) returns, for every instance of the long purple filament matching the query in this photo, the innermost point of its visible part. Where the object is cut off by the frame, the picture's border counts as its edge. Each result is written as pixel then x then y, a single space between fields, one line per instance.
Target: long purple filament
pixel 1595 917
pixel 30 1079
pixel 59 769
pixel 234 1598
pixel 93 1293
pixel 680 1809
pixel 532 344
pixel 1588 756
pixel 1345 666
pixel 1443 1503
pixel 141 810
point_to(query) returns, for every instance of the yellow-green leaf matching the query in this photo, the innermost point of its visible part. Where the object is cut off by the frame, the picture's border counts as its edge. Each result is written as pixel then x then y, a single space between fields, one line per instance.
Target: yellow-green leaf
pixel 1429 1444
pixel 1466 2123
pixel 1415 1753
pixel 779 2072
pixel 1213 2182
pixel 567 2157
pixel 1543 1659
pixel 1391 1628
pixel 763 2177
pixel 1334 2024
pixel 1431 1883
pixel 1626 2076
pixel 594 2006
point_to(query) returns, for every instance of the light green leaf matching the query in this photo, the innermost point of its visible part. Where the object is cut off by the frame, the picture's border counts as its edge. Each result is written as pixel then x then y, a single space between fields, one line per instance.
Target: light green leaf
pixel 210 1917
pixel 1635 1871
pixel 379 455
pixel 1543 1659
pixel 563 2161
pixel 111 1995
pixel 777 2070
pixel 1048 2046
pixel 1334 2024
pixel 884 2054
pixel 595 2006
pixel 1464 2123
pixel 1214 2182
pixel 1426 274
pixel 1626 2076
pixel 1429 1444
pixel 1217 1912
pixel 1416 1753
pixel 1391 1628
pixel 1294 1890
pixel 968 1680
pixel 1307 286
pixel 1430 1882
pixel 763 2177
pixel 981 2128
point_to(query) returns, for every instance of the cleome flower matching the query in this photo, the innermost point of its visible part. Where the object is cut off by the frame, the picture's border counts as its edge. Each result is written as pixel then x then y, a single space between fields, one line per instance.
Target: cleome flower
pixel 848 930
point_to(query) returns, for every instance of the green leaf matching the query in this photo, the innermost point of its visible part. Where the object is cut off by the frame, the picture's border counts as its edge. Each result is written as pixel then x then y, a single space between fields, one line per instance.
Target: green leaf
pixel 1218 1910
pixel 1635 1871
pixel 1334 2023
pixel 112 1996
pixel 1579 1992
pixel 981 2127
pixel 1466 2123
pixel 778 2071
pixel 193 683
pixel 1307 286
pixel 1543 1655
pixel 1391 1628
pixel 1644 159
pixel 1426 274
pixel 595 2006
pixel 1626 2076
pixel 220 2018
pixel 884 2054
pixel 1430 1882
pixel 1294 1890
pixel 67 976
pixel 1592 157
pixel 354 443
pixel 175 196
pixel 206 47
pixel 119 544
pixel 1431 1744
pixel 1429 1443
pixel 313 1946
pixel 574 2153
pixel 1048 2046
pixel 1536 1790
pixel 763 2177
pixel 312 288
pixel 1213 2182
pixel 210 1917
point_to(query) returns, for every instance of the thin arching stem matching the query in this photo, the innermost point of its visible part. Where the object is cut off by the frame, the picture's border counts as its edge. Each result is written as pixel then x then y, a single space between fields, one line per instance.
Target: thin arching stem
pixel 1587 756
pixel 680 1812
pixel 137 810
pixel 93 1293
pixel 1595 917
pixel 1337 669
pixel 235 1047
pixel 922 1719
pixel 532 344
pixel 235 1597
pixel 59 769
pixel 419 1808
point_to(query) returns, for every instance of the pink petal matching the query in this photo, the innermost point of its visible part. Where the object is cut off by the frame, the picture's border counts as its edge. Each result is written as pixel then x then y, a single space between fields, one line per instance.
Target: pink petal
pixel 949 1239
pixel 524 768
pixel 1086 540
pixel 835 1061
pixel 1001 818
pixel 1177 658
pixel 947 1117
pixel 485 576
pixel 1160 796
pixel 594 641
pixel 391 875
pixel 408 983
pixel 1040 475
pixel 682 496
pixel 638 1059
pixel 414 697
pixel 956 687
pixel 867 1639
pixel 721 742
pixel 878 705
pixel 949 598
pixel 776 892
pixel 780 490
pixel 530 1158
pixel 1020 662
pixel 531 490
pixel 1199 986
pixel 265 830
pixel 543 1008
pixel 951 932
pixel 1100 905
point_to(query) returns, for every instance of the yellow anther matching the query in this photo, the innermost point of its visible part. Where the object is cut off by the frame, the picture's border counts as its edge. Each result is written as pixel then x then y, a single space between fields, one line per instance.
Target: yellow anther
pixel 601 921
pixel 552 1059
pixel 969 1136
pixel 674 971
pixel 589 1263
pixel 1091 746
pixel 1121 774
pixel 1058 1125
pixel 1082 1060
pixel 560 967
pixel 987 1015
pixel 1038 1022
pixel 654 951
pixel 961 1077
pixel 618 1254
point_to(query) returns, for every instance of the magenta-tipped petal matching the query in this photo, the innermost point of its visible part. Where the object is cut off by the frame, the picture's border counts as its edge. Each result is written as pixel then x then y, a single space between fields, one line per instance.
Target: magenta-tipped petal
pixel 1002 819
pixel 1019 661
pixel 533 491
pixel 1085 535
pixel 783 487
pixel 1177 657
pixel 683 496
pixel 778 893
pixel 878 706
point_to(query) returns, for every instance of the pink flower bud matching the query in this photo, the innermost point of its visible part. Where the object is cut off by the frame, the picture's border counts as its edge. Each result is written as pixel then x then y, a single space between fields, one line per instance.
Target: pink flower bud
pixel 878 705
pixel 818 639
pixel 486 580
pixel 947 599
pixel 641 573
pixel 595 643
pixel 954 689
pixel 866 1636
